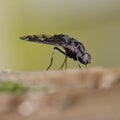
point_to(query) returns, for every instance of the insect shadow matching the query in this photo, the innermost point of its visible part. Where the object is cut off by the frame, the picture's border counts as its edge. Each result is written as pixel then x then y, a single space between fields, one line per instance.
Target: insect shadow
pixel 73 48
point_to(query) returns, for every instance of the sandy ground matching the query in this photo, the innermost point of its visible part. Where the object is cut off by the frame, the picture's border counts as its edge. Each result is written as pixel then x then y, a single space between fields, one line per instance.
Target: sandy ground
pixel 87 94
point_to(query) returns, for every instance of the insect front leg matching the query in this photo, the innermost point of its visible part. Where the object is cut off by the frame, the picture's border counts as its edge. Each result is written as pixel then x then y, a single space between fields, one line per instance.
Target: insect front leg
pixel 52 56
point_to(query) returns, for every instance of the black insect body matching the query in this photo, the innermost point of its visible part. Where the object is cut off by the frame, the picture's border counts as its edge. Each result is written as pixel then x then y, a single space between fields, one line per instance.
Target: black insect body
pixel 73 48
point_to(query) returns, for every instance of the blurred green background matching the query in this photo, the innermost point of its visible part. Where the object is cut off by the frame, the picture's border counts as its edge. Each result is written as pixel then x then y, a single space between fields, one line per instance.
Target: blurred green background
pixel 96 23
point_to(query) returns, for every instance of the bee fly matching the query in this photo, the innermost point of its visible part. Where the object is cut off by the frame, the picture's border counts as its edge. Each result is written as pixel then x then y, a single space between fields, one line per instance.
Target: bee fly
pixel 73 48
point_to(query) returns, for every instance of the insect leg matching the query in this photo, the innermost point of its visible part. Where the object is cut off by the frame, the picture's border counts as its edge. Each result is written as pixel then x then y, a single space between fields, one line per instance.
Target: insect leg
pixel 52 56
pixel 78 63
pixel 86 65
pixel 64 62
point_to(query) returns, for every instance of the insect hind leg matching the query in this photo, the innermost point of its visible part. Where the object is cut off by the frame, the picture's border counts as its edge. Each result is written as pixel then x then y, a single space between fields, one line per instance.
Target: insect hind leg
pixel 52 56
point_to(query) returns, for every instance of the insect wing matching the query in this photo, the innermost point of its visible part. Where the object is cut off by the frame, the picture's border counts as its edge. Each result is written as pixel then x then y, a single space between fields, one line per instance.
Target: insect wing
pixel 36 38
pixel 57 40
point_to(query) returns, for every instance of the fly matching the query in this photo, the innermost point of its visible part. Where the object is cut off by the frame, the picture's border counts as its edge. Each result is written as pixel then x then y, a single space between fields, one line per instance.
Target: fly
pixel 73 48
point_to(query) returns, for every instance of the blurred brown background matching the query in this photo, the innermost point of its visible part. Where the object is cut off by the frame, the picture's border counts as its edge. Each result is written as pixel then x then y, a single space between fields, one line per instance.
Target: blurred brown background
pixel 94 23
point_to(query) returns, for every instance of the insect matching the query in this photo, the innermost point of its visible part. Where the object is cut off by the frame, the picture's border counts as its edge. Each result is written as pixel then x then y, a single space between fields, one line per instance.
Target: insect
pixel 73 48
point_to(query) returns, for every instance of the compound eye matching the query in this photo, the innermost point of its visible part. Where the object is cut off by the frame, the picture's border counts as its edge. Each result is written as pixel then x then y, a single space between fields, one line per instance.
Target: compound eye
pixel 86 58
